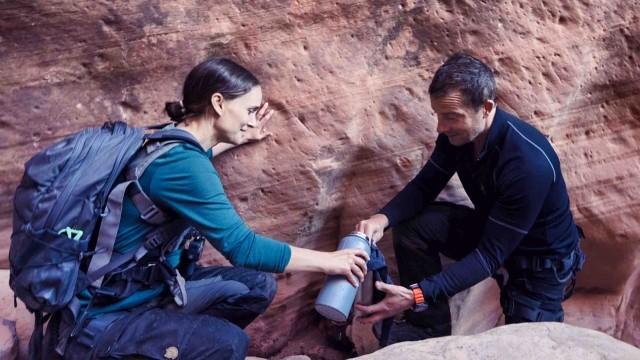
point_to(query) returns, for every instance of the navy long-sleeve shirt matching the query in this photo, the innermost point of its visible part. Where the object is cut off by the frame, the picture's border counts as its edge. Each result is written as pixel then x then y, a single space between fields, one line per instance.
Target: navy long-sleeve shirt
pixel 516 183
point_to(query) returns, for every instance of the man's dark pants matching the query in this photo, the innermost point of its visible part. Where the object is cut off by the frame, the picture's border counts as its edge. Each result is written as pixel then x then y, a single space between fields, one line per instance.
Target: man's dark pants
pixel 455 231
pixel 221 301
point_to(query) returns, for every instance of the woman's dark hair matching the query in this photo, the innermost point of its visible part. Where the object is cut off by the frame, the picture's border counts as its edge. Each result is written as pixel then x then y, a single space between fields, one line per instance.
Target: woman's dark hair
pixel 469 75
pixel 212 76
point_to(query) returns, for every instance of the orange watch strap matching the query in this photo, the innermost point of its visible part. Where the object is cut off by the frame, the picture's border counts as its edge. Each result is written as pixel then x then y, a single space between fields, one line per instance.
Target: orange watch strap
pixel 418 296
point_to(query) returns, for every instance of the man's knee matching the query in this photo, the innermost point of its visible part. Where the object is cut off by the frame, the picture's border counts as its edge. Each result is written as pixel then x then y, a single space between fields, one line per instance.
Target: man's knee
pixel 430 225
pixel 406 236
pixel 518 308
pixel 400 234
pixel 538 316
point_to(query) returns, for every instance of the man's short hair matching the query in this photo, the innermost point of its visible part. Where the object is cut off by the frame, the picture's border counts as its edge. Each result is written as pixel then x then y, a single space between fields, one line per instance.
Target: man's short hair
pixel 467 74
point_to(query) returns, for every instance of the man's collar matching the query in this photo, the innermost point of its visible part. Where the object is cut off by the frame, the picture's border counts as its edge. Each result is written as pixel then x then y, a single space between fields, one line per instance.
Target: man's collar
pixel 497 129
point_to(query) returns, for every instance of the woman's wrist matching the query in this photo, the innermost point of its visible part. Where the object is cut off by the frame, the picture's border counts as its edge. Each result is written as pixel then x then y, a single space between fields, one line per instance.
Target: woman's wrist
pixel 322 259
pixel 308 260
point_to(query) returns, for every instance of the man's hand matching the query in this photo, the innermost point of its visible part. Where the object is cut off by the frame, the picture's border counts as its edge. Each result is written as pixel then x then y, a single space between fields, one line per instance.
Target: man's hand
pixel 396 300
pixel 373 227
pixel 258 132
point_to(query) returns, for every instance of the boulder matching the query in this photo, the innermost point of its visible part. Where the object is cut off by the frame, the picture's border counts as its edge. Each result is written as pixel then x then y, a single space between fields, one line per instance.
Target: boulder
pixel 517 341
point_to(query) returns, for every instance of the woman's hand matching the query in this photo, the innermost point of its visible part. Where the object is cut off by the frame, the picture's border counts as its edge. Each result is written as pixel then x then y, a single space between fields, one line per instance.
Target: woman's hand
pixel 351 263
pixel 396 300
pixel 257 131
pixel 253 132
pixel 373 227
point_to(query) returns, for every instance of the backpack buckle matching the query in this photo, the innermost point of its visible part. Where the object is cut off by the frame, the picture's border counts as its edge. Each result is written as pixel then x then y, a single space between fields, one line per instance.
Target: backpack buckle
pixel 153 241
pixel 178 289
pixel 150 213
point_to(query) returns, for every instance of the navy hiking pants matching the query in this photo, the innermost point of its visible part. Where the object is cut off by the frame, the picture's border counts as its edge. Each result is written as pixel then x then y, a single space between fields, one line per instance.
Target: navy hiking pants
pixel 454 231
pixel 221 301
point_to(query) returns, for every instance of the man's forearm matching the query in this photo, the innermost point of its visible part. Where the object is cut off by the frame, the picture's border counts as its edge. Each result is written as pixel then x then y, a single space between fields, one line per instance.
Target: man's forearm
pixel 406 204
pixel 417 194
pixel 461 275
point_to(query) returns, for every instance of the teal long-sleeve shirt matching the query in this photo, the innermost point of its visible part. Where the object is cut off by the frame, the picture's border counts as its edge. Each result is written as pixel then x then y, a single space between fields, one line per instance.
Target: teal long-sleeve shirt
pixel 184 183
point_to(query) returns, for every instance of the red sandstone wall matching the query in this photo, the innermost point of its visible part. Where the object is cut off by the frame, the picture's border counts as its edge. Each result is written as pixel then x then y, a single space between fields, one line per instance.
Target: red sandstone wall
pixel 349 81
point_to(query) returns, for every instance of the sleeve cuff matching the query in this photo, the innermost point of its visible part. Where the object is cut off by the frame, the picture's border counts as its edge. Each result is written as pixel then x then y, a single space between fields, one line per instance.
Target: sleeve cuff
pixel 431 290
pixel 274 255
pixel 392 221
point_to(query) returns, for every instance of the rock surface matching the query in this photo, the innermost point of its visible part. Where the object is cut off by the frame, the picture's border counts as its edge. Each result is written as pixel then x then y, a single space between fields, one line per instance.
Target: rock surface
pixel 519 341
pixel 8 340
pixel 349 81
pixel 19 317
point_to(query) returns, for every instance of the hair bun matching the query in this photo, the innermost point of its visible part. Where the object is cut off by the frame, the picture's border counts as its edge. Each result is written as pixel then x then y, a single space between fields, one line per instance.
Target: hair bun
pixel 175 110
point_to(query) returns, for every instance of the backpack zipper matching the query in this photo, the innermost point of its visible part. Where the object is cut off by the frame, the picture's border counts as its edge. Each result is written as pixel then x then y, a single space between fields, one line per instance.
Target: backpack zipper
pixel 70 185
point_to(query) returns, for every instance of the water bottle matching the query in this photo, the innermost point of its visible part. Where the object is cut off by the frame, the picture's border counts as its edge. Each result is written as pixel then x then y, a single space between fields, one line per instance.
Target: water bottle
pixel 337 295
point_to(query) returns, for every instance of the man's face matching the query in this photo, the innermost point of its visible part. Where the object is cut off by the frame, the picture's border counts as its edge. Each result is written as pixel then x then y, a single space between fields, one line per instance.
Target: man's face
pixel 457 120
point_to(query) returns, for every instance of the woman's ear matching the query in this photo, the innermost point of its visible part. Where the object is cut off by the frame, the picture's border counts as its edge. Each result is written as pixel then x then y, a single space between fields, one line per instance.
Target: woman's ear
pixel 217 103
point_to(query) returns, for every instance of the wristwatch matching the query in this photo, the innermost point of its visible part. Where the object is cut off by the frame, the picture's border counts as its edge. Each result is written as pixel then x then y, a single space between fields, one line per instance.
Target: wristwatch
pixel 418 296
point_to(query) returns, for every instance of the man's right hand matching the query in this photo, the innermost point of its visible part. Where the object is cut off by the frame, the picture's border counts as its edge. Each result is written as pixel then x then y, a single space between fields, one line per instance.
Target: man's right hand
pixel 373 227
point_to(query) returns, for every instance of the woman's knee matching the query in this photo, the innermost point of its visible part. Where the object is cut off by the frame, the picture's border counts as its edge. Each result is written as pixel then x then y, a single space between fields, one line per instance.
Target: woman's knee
pixel 222 340
pixel 233 345
pixel 266 287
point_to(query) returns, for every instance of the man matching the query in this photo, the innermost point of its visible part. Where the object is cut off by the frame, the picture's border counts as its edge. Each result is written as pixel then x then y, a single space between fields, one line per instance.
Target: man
pixel 521 221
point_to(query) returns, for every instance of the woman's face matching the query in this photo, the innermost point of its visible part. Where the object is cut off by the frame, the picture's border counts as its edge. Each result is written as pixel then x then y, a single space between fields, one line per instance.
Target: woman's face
pixel 237 115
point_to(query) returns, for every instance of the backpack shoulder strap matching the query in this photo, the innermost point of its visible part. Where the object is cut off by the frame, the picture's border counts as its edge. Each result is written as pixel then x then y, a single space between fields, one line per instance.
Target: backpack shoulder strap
pixel 170 132
pixel 149 211
pixel 157 144
pixel 108 230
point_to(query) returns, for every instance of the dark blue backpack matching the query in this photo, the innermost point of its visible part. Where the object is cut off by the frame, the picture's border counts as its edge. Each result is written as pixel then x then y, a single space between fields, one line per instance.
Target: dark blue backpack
pixel 67 211
pixel 57 206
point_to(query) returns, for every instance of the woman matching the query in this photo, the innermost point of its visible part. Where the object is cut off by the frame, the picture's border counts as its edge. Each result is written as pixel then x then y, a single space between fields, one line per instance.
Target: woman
pixel 221 108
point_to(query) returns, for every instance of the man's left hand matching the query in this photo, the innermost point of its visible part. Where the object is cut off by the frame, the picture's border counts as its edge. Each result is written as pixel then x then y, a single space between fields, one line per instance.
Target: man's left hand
pixel 396 300
pixel 258 132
